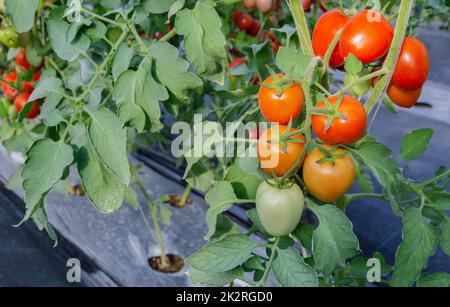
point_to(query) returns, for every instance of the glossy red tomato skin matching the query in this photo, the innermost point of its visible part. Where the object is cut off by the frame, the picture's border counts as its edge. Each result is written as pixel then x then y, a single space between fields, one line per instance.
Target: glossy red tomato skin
pixel 413 65
pixel 328 25
pixel 368 36
pixel 280 109
pixel 254 29
pixel 21 100
pixel 403 98
pixel 306 4
pixel 29 86
pixel 244 22
pixel 22 61
pixel 8 90
pixel 342 131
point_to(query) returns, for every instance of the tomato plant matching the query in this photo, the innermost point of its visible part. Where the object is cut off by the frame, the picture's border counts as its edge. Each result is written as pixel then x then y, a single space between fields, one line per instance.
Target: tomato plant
pixel 101 79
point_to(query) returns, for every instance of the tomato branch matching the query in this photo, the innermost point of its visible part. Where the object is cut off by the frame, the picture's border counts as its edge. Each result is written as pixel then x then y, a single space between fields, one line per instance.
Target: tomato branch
pixel 404 14
pixel 301 26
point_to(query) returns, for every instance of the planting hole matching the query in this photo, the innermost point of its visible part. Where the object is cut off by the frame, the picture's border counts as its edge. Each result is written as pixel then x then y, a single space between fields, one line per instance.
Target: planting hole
pixel 176 263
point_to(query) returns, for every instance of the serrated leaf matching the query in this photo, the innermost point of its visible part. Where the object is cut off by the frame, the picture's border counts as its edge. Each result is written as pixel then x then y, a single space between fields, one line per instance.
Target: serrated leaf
pixel 204 41
pixel 46 163
pixel 122 60
pixel 304 233
pixel 293 62
pixel 172 71
pixel 66 50
pixel 223 255
pixel 214 279
pixel 244 185
pixel 157 6
pixel 109 141
pixel 415 143
pixel 104 190
pixel 220 198
pixel 47 86
pixel 445 237
pixel 22 13
pixel 333 240
pixel 435 280
pixel 419 244
pixel 291 271
pixel 353 65
pixel 175 8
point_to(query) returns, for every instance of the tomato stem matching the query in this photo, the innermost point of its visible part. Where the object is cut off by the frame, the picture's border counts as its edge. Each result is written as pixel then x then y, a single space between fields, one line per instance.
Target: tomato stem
pixel 274 247
pixel 185 196
pixel 302 26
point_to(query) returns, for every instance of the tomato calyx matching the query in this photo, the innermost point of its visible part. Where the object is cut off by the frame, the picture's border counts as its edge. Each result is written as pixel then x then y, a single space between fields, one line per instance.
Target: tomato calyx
pixel 330 156
pixel 280 184
pixel 279 83
pixel 330 111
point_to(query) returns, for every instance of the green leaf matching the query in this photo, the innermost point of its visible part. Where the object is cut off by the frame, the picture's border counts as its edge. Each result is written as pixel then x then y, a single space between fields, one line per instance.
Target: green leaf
pixel 291 271
pixel 445 237
pixel 175 8
pixel 173 71
pixel 304 232
pixel 353 65
pixel 15 180
pixel 435 280
pixel 220 198
pixel 244 185
pixel 260 55
pixel 104 190
pixel 439 200
pixel 131 198
pixel 122 60
pixel 419 244
pixel 224 227
pixel 157 6
pixel 109 141
pixel 46 163
pixel 215 279
pixel 414 144
pixel 149 94
pixel 254 218
pixel 22 13
pixel 364 182
pixel 204 41
pixel 292 62
pixel 223 255
pixel 66 50
pixel 333 240
pixel 47 86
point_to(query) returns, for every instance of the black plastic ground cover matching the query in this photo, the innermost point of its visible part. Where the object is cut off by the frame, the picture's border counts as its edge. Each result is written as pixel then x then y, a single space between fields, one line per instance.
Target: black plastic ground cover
pixel 28 258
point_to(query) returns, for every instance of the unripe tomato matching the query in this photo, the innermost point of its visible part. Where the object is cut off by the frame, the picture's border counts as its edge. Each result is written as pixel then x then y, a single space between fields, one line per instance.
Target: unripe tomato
pixel 359 89
pixel 21 100
pixel 368 36
pixel 342 131
pixel 254 29
pixel 9 37
pixel 249 3
pixel 264 5
pixel 244 22
pixel 413 65
pixel 272 157
pixel 328 180
pixel 29 86
pixel 328 25
pixel 403 98
pixel 7 89
pixel 279 209
pixel 280 108
pixel 21 60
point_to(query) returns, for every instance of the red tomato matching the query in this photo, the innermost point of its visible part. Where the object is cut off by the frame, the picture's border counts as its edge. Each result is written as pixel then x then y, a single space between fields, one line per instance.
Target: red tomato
pixel 280 108
pixel 403 98
pixel 244 22
pixel 21 60
pixel 342 131
pixel 413 65
pixel 235 15
pixel 7 89
pixel 254 30
pixel 328 25
pixel 264 5
pixel 249 3
pixel 237 62
pixel 21 100
pixel 368 36
pixel 271 155
pixel 306 4
pixel 28 86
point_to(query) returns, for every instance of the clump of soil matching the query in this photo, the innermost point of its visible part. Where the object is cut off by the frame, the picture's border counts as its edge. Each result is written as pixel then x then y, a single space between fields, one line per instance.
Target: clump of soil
pixel 76 190
pixel 175 201
pixel 176 263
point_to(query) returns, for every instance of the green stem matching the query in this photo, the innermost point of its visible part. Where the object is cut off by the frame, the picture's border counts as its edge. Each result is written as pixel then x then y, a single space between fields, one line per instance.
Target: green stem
pixel 433 180
pixel 302 26
pixel 263 280
pixel 353 197
pixel 154 216
pixel 185 196
pixel 102 18
pixel 364 79
pixel 404 14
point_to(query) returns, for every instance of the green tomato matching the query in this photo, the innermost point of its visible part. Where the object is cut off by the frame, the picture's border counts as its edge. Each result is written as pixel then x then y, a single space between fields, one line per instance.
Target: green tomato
pixel 114 34
pixel 279 209
pixel 359 89
pixel 9 37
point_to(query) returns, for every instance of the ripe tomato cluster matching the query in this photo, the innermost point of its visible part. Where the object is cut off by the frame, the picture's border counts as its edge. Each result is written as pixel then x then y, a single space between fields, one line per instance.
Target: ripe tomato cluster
pixel 368 36
pixel 18 85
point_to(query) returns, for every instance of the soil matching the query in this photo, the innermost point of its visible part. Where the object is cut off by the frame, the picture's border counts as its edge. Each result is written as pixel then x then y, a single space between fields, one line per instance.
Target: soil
pixel 175 201
pixel 176 264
